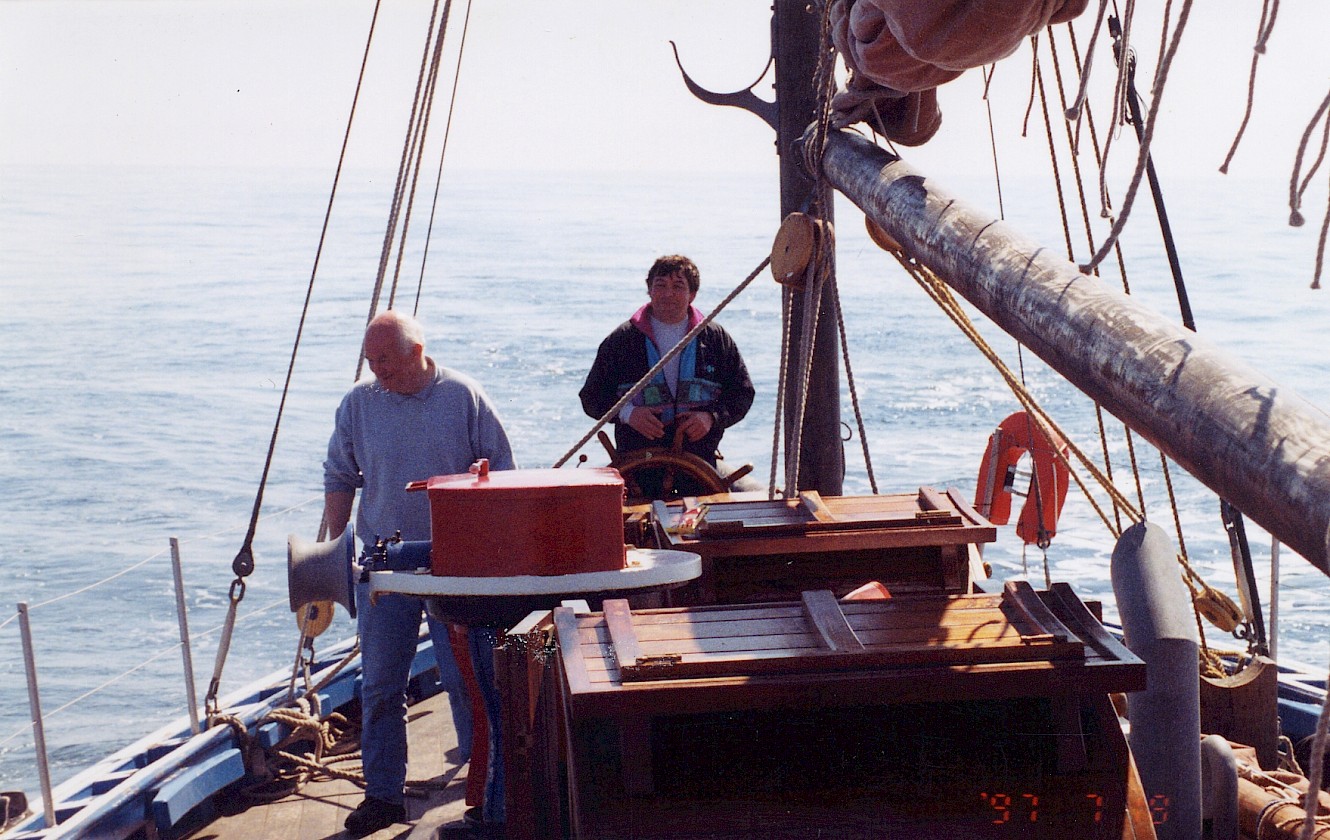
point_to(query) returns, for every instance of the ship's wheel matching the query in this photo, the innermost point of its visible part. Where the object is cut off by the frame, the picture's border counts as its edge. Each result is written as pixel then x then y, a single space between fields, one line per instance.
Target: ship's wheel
pixel 661 472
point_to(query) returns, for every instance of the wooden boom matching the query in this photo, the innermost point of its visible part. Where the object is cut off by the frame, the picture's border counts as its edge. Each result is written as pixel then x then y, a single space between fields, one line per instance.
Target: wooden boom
pixel 1255 443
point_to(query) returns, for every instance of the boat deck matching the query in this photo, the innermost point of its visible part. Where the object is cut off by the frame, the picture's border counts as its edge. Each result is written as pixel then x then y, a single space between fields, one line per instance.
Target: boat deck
pixel 317 811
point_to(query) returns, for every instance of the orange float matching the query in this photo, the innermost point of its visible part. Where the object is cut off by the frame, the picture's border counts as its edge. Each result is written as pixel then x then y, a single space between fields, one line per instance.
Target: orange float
pixel 1014 438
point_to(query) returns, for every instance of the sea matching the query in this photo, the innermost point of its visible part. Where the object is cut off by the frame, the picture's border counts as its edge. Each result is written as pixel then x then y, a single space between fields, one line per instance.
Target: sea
pixel 148 319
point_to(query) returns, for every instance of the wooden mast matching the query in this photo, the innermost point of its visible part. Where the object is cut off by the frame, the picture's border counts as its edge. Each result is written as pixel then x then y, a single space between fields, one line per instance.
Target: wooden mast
pixel 795 45
pixel 1258 445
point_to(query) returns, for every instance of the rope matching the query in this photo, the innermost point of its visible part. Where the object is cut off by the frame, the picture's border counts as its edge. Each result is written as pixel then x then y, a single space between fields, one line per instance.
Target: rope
pixel 1126 287
pixel 660 365
pixel 443 152
pixel 395 205
pixel 854 392
pixel 1161 76
pixel 787 318
pixel 814 278
pixel 421 131
pixel 1117 117
pixel 1295 191
pixel 992 139
pixel 941 294
pixel 821 267
pixel 243 564
pixel 1074 111
pixel 1198 587
pixel 1312 802
pixel 282 769
pixel 1052 154
pixel 1269 9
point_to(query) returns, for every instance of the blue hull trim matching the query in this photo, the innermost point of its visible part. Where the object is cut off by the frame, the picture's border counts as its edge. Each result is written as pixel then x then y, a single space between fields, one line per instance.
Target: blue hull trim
pixel 163 777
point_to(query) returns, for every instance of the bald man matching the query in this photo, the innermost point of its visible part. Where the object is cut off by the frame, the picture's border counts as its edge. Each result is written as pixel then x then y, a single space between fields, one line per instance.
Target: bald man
pixel 412 420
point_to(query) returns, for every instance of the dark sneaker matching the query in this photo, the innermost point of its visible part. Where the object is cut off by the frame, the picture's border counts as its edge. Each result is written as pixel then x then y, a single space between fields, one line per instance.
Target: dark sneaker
pixel 474 822
pixel 372 815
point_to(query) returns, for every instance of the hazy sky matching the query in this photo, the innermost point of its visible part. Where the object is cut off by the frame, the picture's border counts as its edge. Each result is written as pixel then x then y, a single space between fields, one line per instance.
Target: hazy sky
pixel 551 84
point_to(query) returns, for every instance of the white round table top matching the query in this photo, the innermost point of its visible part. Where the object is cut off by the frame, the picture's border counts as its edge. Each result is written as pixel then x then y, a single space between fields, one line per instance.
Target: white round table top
pixel 645 568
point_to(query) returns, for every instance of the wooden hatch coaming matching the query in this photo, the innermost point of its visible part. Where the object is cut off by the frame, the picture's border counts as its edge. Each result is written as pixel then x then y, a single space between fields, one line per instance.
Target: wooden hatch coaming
pixel 813 523
pixel 821 651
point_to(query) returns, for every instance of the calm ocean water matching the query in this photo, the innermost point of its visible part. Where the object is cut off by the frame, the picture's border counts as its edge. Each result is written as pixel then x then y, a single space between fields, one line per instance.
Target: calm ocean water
pixel 147 321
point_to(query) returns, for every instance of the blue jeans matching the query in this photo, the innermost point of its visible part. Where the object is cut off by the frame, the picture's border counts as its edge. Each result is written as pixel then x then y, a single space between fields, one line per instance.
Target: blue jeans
pixel 481 641
pixel 388 636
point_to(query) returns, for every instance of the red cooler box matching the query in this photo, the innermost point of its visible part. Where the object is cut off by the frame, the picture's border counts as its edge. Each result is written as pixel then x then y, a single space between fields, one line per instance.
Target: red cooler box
pixel 526 522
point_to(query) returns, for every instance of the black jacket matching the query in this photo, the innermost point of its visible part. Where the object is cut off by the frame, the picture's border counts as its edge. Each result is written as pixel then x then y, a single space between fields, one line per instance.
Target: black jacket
pixel 622 360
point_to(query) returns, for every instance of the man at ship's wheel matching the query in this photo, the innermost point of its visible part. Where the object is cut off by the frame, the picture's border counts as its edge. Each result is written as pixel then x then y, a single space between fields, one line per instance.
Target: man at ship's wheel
pixel 702 391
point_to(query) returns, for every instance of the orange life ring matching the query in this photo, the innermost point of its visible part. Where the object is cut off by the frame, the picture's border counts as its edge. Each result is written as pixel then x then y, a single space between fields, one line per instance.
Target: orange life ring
pixel 1014 437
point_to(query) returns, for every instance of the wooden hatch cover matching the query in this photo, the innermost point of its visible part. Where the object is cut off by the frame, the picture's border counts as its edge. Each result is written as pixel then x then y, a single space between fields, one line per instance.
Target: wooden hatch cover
pixel 947 516
pixel 900 638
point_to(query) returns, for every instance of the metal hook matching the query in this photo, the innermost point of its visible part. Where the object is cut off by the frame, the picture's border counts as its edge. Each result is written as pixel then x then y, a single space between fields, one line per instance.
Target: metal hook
pixel 745 99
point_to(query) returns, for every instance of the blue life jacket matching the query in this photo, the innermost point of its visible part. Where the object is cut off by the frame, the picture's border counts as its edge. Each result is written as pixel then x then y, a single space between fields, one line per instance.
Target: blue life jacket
pixel 693 391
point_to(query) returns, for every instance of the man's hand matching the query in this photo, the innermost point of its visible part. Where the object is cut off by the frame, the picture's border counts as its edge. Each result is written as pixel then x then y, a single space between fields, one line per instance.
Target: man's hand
pixel 696 424
pixel 646 422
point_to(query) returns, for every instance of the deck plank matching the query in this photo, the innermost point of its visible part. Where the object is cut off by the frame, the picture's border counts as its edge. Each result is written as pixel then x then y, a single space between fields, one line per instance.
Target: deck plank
pixel 317 811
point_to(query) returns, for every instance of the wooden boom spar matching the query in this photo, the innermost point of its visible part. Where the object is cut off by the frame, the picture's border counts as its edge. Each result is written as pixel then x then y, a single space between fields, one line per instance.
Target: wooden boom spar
pixel 1253 442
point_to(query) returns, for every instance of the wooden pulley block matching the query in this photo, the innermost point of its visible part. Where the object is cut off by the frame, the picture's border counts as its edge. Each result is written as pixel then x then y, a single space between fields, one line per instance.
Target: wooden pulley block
pixel 1219 609
pixel 793 250
pixel 883 239
pixel 314 618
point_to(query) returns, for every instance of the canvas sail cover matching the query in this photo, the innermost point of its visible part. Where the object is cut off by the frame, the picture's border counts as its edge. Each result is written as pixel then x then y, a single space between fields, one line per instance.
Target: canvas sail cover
pixel 899 51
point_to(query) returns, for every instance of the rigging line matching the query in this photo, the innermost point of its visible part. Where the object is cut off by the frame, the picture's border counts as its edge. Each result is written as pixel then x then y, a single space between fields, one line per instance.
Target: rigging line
pixel 849 381
pixel 1042 97
pixel 1320 245
pixel 17 732
pixel 147 560
pixel 1079 179
pixel 98 583
pixel 787 318
pixel 243 564
pixel 395 205
pixel 112 681
pixel 1034 65
pixel 327 216
pixel 1036 489
pixel 1169 48
pixel 660 365
pixel 992 140
pixel 1311 802
pixel 1311 171
pixel 941 295
pixel 1074 112
pixel 168 650
pixel 443 152
pixel 817 274
pixel 1161 212
pixel 418 153
pixel 1116 117
pixel 415 156
pixel 1077 176
pixel 1295 193
pixel 1129 436
pixel 263 609
pixel 822 266
pixel 1269 8
pixel 1242 554
pixel 1189 575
